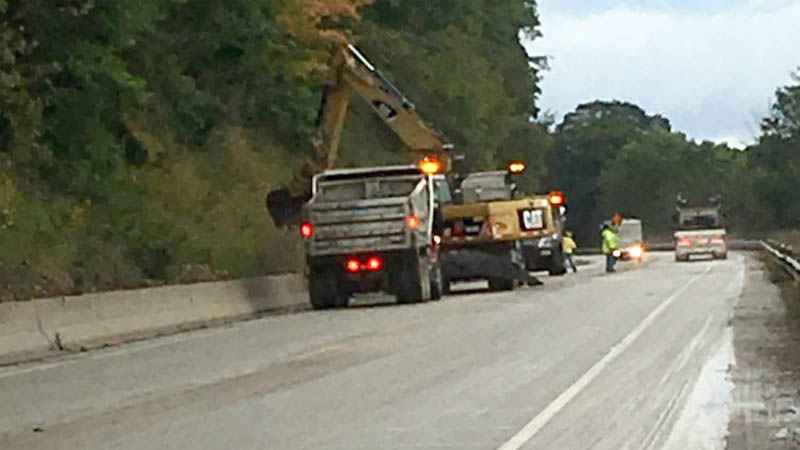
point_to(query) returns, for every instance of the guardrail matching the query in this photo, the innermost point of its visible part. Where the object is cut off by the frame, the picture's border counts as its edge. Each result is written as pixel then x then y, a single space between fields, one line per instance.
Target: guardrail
pixel 790 264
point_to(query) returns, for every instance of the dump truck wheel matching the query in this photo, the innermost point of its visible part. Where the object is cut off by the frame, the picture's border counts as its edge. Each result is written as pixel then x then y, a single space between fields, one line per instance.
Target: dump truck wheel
pixel 446 284
pixel 324 291
pixel 412 281
pixel 437 282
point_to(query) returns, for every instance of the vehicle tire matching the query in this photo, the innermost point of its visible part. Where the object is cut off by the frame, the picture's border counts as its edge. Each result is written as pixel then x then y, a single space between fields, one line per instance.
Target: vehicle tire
pixel 437 282
pixel 557 266
pixel 501 284
pixel 324 290
pixel 413 280
pixel 446 284
pixel 681 258
pixel 529 257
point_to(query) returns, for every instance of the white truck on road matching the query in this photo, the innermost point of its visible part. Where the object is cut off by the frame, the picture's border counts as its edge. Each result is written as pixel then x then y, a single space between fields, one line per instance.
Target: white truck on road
pixel 630 240
pixel 700 231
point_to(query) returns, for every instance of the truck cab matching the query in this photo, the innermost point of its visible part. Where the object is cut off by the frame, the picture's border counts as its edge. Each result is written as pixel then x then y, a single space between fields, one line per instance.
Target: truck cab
pixel 369 230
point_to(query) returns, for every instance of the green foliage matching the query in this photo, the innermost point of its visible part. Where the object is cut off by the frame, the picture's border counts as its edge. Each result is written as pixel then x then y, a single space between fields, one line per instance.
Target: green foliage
pixel 138 139
pixel 785 119
pixel 645 177
pixel 463 65
pixel 613 157
pixel 585 143
pixel 776 158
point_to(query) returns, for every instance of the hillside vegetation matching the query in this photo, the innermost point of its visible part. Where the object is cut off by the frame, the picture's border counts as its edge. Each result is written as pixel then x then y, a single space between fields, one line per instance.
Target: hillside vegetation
pixel 138 139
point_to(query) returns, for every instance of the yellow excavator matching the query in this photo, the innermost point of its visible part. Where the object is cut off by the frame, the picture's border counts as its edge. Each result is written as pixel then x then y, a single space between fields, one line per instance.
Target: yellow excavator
pixel 351 71
pixel 380 228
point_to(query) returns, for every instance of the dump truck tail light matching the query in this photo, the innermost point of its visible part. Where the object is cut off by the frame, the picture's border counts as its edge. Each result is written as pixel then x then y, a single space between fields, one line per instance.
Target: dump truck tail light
pixel 307 230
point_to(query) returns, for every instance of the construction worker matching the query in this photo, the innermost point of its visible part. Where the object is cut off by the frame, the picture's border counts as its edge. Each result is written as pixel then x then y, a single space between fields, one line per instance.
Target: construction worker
pixel 568 246
pixel 610 246
pixel 616 221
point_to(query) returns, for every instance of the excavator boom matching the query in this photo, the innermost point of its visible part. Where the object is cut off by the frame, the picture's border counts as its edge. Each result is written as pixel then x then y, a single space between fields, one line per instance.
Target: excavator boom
pixel 351 71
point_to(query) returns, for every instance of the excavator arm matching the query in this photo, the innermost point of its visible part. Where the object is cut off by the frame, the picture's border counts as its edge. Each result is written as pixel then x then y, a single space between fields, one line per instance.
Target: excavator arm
pixel 351 72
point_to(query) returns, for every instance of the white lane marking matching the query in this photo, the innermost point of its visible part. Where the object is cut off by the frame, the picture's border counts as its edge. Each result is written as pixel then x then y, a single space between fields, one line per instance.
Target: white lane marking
pixel 537 423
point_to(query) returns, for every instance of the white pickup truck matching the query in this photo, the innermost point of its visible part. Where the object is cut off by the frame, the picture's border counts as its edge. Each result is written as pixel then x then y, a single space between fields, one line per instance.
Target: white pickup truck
pixel 700 232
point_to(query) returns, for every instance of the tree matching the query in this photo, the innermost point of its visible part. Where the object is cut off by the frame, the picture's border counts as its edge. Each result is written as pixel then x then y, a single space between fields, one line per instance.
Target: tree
pixel 784 121
pixel 585 142
pixel 645 177
pixel 776 160
pixel 463 65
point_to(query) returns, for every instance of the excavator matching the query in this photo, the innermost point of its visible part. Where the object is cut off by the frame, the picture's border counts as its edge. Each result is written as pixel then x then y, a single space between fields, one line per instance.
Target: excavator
pixel 381 228
pixel 351 71
pixel 374 228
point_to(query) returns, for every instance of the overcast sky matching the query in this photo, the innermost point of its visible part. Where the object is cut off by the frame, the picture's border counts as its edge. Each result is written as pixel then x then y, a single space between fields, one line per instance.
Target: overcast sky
pixel 710 66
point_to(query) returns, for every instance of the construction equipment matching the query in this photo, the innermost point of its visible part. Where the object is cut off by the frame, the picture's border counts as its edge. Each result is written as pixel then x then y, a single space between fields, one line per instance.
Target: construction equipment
pixel 368 229
pixel 484 229
pixel 543 232
pixel 351 71
pixel 701 229
pixel 371 230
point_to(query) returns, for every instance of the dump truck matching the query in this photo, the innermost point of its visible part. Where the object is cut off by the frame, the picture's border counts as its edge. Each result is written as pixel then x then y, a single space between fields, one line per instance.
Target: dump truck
pixel 701 230
pixel 369 230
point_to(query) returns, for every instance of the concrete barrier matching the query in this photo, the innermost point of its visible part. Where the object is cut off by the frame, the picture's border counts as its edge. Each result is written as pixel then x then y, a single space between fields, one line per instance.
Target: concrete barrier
pixel 37 327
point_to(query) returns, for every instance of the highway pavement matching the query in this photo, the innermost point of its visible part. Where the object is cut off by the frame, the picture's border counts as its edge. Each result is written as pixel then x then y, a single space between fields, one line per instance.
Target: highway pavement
pixel 588 360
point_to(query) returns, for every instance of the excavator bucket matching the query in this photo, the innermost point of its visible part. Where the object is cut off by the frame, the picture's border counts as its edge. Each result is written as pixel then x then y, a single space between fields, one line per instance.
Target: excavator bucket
pixel 284 208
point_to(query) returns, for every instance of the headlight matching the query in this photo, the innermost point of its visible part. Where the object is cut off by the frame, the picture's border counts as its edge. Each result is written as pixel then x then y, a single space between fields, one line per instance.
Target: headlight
pixel 545 242
pixel 635 252
pixel 617 253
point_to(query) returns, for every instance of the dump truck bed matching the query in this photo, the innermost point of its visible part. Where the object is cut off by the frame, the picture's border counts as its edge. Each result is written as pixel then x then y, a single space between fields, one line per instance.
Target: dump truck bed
pixel 366 225
pixel 364 210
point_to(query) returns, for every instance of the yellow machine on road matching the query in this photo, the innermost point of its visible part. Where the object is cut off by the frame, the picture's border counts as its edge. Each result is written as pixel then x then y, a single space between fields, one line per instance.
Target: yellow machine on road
pixel 544 232
pixel 377 229
pixel 485 231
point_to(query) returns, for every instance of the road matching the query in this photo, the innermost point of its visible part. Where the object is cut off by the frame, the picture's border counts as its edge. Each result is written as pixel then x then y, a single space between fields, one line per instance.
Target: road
pixel 586 361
